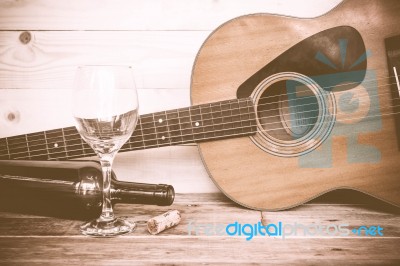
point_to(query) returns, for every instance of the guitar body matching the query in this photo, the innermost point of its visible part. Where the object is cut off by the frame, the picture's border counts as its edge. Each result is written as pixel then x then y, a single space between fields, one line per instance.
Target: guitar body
pixel 351 152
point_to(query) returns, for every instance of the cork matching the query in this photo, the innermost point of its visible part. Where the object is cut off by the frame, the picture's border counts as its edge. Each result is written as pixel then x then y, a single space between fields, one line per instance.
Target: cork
pixel 164 221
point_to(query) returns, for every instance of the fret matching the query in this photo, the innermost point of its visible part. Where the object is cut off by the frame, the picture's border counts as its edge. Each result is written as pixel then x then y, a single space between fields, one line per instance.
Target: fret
pixel 186 125
pixel 168 130
pixel 55 144
pixel 74 145
pixel 27 146
pixel 244 114
pixel 161 125
pixel 248 115
pixel 18 147
pixel 38 148
pixel 216 114
pixel 65 144
pixel 149 131
pixel 227 117
pixel 73 142
pixel 45 140
pixel 252 116
pixel 174 127
pixel 136 141
pixel 4 151
pixel 208 125
pixel 197 123
pixel 127 146
pixel 237 124
pixel 87 150
pixel 155 130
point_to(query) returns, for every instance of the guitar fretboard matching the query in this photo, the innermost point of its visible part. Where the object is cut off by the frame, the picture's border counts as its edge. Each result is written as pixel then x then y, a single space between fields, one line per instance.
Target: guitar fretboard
pixel 231 118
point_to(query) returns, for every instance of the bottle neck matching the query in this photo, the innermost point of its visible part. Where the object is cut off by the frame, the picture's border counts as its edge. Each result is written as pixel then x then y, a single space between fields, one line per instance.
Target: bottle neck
pixel 139 193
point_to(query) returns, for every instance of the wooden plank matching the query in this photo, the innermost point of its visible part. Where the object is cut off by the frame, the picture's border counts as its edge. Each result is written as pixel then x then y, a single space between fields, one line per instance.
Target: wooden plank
pixel 187 250
pixel 210 209
pixel 198 209
pixel 332 216
pixel 50 58
pixel 144 15
pixel 30 110
pixel 43 240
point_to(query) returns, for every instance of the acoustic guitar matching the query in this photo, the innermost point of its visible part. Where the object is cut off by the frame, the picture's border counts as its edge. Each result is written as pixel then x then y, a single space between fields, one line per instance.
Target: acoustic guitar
pixel 284 109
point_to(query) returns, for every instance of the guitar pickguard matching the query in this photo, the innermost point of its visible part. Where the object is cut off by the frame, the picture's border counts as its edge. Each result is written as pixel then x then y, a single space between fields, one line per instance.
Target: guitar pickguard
pixel 332 51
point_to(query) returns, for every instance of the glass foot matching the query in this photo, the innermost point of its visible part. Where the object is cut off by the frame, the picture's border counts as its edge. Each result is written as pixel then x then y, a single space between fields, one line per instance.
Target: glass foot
pixel 107 228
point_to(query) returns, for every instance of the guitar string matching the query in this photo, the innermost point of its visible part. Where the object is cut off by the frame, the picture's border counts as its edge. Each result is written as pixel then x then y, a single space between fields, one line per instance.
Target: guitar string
pixel 302 98
pixel 281 101
pixel 265 97
pixel 336 86
pixel 213 131
pixel 77 134
pixel 161 132
pixel 193 140
pixel 230 110
pixel 172 143
pixel 193 108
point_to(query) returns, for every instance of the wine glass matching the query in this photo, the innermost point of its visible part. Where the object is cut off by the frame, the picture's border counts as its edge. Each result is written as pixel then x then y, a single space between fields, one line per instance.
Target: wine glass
pixel 105 108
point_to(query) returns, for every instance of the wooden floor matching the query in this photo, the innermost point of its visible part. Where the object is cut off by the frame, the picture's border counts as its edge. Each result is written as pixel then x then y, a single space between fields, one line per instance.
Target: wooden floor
pixel 38 240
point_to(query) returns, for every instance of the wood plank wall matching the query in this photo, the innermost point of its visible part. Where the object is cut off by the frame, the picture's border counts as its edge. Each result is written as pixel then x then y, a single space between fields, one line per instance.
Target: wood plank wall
pixel 42 42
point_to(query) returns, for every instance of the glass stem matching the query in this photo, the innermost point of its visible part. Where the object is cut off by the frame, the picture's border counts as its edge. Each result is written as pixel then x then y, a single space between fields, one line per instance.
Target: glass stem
pixel 107 212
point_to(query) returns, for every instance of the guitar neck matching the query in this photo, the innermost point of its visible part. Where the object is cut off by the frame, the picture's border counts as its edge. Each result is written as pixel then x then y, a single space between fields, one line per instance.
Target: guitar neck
pixel 225 119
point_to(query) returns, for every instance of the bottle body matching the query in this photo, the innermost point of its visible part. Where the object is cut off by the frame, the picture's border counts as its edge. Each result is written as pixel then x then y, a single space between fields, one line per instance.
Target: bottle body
pixel 69 188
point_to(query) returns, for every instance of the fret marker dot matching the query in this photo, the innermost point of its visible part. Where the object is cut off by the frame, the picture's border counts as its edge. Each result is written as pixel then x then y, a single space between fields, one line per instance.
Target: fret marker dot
pixel 55 145
pixel 163 138
pixel 197 124
pixel 160 120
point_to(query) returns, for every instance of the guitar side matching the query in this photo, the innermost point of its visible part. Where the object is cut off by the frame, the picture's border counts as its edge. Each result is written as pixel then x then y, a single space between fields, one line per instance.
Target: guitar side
pixel 259 180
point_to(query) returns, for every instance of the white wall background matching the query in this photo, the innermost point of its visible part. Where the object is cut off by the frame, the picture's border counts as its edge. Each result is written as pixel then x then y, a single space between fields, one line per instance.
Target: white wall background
pixel 160 38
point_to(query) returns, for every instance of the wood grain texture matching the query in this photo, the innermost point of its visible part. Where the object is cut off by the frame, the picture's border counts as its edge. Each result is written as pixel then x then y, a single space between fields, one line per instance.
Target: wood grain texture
pixel 29 239
pixel 257 179
pixel 202 250
pixel 143 15
pixel 34 110
pixel 161 59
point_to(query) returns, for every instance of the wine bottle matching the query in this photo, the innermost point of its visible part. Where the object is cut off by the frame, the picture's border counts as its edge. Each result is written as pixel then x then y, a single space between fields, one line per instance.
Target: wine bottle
pixel 69 189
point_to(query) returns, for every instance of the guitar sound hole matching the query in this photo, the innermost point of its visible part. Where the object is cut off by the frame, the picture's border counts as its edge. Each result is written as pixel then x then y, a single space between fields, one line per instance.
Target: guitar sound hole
pixel 294 114
pixel 288 110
